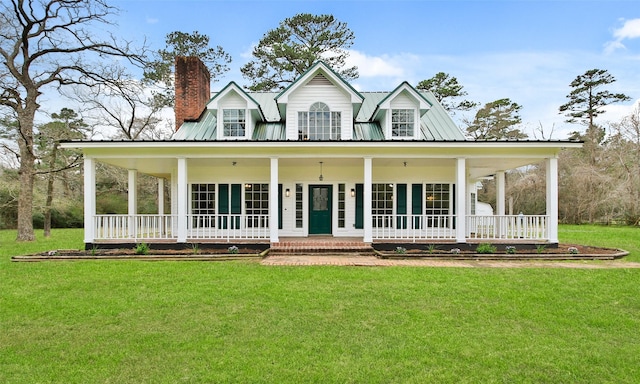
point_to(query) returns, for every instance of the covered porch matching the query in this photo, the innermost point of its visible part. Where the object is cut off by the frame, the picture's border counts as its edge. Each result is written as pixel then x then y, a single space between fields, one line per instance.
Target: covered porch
pixel 415 192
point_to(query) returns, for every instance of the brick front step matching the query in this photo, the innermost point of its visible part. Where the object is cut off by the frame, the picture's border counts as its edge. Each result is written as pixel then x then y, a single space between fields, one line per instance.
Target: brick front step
pixel 320 247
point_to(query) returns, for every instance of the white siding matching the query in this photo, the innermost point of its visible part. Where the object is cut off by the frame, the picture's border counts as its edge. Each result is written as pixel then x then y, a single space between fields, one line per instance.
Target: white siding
pixel 233 101
pixel 302 98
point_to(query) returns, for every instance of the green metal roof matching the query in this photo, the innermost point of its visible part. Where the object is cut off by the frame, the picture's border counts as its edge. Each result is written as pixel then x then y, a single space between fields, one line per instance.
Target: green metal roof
pixel 203 129
pixel 435 124
pixel 269 131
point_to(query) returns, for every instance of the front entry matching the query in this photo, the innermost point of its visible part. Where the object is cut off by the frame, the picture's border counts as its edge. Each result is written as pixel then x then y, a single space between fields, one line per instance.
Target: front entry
pixel 320 209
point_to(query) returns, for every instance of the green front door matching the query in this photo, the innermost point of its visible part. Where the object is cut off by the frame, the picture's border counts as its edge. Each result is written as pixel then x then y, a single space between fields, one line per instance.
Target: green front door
pixel 320 209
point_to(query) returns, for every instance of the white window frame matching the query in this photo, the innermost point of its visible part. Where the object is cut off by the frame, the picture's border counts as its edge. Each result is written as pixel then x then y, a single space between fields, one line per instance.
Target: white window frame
pixel 238 121
pixel 315 114
pixel 412 112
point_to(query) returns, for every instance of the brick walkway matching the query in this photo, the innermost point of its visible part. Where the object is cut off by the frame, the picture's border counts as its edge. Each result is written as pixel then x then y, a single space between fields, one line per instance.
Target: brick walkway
pixel 372 261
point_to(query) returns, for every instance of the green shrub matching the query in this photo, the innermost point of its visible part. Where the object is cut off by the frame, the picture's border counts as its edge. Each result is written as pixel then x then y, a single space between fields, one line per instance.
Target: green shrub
pixel 142 248
pixel 486 248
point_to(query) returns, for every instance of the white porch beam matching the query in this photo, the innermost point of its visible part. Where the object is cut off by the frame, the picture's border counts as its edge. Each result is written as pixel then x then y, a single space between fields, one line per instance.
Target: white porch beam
pixel 182 200
pixel 89 199
pixel 552 199
pixel 367 190
pixel 461 189
pixel 273 202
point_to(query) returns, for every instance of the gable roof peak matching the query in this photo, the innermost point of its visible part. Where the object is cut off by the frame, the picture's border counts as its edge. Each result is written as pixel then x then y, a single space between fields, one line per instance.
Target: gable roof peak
pixel 330 74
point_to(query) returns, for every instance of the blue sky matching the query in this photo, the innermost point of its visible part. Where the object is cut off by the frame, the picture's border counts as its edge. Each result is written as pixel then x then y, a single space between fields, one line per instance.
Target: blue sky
pixel 528 51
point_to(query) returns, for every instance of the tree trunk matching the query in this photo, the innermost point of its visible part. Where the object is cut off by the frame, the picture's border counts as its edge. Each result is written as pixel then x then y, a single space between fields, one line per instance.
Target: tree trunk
pixel 50 179
pixel 25 197
pixel 27 171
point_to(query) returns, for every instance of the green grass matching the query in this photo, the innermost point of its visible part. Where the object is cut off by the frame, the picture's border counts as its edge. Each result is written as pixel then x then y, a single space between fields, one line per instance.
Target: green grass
pixel 168 322
pixel 627 238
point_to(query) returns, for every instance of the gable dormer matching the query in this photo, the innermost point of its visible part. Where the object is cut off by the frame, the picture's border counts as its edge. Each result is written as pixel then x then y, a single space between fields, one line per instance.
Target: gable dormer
pixel 400 112
pixel 236 113
pixel 319 105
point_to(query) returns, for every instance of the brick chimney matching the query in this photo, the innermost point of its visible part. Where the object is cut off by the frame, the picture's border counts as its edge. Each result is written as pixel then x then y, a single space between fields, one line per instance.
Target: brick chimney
pixel 192 89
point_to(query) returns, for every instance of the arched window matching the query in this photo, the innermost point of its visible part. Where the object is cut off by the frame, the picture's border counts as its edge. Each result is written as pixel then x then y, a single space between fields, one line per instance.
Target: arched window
pixel 319 123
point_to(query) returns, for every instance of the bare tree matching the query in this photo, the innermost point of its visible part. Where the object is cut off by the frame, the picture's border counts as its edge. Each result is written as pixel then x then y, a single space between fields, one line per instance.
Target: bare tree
pixel 624 149
pixel 124 107
pixel 44 44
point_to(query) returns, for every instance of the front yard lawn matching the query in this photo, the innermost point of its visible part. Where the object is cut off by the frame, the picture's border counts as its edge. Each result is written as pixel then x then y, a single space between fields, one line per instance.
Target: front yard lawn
pixel 167 322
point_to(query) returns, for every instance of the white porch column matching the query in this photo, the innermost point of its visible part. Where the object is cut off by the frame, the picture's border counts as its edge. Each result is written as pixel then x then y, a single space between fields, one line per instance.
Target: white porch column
pixel 461 188
pixel 273 202
pixel 160 196
pixel 552 199
pixel 500 193
pixel 500 203
pixel 132 196
pixel 366 208
pixel 132 192
pixel 182 200
pixel 89 199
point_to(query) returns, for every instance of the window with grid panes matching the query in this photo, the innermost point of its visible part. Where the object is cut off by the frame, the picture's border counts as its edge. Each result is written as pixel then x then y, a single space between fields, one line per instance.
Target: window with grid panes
pixel 341 206
pixel 299 211
pixel 437 203
pixel 402 122
pixel 203 204
pixel 233 122
pixel 256 202
pixel 472 209
pixel 319 123
pixel 382 205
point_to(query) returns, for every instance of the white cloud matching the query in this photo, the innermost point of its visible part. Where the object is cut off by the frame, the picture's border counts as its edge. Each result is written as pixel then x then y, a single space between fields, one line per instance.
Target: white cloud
pixel 630 30
pixel 371 66
pixel 152 20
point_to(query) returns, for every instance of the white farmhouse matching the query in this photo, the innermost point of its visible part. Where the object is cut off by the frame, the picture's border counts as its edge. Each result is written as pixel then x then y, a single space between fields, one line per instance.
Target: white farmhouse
pixel 318 158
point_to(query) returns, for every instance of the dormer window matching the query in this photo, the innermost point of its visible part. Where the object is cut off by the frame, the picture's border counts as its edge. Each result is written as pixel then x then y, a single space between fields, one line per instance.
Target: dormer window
pixel 403 123
pixel 233 122
pixel 319 123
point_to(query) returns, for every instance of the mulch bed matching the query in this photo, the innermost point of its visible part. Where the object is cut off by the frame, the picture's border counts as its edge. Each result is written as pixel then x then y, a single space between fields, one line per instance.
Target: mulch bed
pixel 561 252
pixel 556 253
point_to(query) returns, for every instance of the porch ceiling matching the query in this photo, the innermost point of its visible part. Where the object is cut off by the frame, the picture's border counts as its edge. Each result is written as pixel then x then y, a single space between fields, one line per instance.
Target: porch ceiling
pixel 476 167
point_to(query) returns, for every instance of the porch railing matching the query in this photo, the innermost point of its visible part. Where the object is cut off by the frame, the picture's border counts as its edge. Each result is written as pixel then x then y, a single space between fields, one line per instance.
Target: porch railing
pixel 110 227
pixel 509 227
pixel 385 227
pixel 432 227
pixel 228 227
pixel 157 227
pixel 413 227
